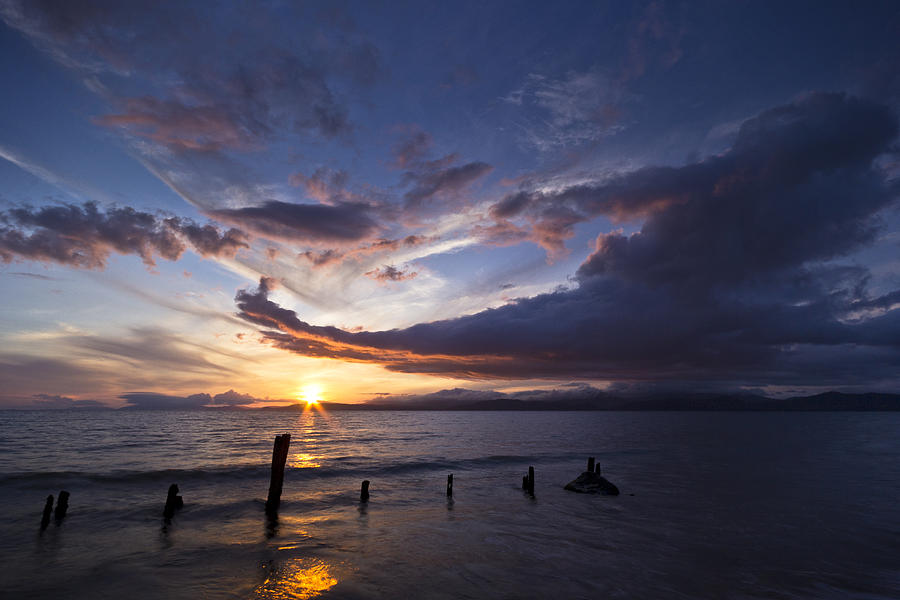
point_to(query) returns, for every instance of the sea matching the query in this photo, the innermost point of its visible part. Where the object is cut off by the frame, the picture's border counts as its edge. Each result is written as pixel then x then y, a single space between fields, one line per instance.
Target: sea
pixel 713 505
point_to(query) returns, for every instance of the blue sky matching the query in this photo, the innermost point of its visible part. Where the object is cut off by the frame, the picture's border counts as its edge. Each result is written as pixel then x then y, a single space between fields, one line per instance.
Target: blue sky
pixel 404 198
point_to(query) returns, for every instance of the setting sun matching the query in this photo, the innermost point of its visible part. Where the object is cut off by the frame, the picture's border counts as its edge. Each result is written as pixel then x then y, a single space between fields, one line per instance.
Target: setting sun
pixel 311 394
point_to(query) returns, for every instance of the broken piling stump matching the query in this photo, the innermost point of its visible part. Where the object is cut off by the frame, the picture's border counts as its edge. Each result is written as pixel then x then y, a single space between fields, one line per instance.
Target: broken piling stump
pixel 528 481
pixel 591 482
pixel 62 505
pixel 450 485
pixel 48 508
pixel 279 457
pixel 173 502
pixel 364 491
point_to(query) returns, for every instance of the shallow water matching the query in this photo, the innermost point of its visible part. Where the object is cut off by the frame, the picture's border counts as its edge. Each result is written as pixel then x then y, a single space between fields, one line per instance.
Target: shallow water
pixel 713 505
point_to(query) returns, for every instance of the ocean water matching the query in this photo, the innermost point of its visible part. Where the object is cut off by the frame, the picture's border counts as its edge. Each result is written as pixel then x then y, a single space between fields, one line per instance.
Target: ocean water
pixel 713 505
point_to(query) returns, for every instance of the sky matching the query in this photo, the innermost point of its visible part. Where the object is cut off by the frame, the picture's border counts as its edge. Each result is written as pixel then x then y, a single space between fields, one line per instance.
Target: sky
pixel 257 202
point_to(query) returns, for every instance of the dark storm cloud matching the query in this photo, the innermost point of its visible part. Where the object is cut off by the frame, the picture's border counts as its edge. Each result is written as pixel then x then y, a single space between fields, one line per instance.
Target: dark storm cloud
pixel 342 222
pixel 797 186
pixel 85 236
pixel 731 277
pixel 798 181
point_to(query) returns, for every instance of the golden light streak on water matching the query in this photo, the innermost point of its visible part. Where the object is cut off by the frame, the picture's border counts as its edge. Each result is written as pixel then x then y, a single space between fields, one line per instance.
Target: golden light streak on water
pixel 298 579
pixel 305 460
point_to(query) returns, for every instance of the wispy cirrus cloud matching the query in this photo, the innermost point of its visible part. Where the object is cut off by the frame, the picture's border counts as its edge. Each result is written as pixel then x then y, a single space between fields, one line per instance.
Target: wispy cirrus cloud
pixel 582 107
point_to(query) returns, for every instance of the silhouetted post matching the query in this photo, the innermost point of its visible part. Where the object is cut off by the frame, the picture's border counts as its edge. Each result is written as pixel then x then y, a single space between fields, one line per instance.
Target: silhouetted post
pixel 364 491
pixel 525 482
pixel 279 456
pixel 173 502
pixel 450 485
pixel 597 471
pixel 62 505
pixel 590 468
pixel 529 481
pixel 48 508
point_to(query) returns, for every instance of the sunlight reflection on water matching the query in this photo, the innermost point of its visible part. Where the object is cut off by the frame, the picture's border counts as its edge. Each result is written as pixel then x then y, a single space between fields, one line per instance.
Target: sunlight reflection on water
pixel 298 579
pixel 304 460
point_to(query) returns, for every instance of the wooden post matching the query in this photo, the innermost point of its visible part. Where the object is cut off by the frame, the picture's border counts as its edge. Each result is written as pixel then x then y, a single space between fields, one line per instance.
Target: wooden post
pixel 531 480
pixel 48 508
pixel 450 485
pixel 525 482
pixel 279 457
pixel 597 471
pixel 364 491
pixel 62 505
pixel 590 468
pixel 173 502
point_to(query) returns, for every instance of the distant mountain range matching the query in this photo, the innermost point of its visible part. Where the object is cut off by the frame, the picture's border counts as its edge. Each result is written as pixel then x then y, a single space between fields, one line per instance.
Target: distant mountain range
pixel 828 401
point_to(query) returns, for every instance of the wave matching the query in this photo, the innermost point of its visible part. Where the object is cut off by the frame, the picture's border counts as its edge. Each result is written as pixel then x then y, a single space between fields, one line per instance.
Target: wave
pixel 340 466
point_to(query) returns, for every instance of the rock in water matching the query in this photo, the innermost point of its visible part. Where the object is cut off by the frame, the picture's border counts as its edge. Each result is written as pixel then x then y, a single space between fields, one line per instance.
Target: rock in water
pixel 592 483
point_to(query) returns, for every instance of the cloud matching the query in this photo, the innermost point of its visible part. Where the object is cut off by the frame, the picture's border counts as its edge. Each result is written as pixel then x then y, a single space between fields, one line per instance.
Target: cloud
pixel 84 236
pixel 390 273
pixel 580 108
pixel 431 179
pixel 150 347
pixel 655 41
pixel 232 398
pixel 45 401
pixel 442 178
pixel 412 149
pixel 180 127
pixel 249 91
pixel 324 185
pixel 791 170
pixel 307 223
pixel 154 401
pixel 731 278
pixel 379 246
pixel 32 276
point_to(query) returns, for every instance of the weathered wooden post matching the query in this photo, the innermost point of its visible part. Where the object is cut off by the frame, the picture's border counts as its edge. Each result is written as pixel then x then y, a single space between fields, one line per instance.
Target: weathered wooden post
pixel 597 471
pixel 62 505
pixel 450 485
pixel 279 457
pixel 590 468
pixel 48 508
pixel 173 502
pixel 364 491
pixel 528 481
